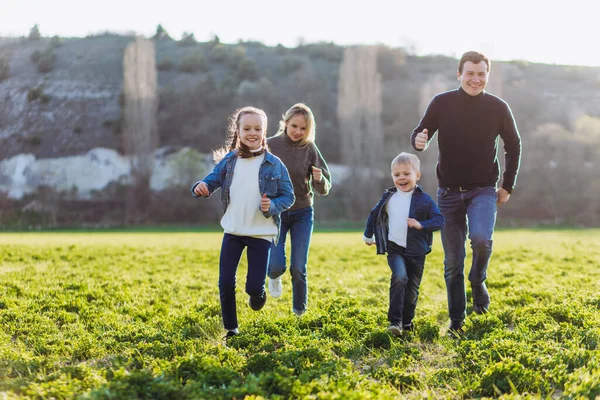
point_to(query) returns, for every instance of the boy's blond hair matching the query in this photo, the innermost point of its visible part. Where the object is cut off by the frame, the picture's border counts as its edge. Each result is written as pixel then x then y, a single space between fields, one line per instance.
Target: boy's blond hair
pixel 407 158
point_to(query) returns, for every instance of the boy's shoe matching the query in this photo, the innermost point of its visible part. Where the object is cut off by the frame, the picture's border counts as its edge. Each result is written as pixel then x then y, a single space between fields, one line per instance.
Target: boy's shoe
pixel 456 329
pixel 257 303
pixel 275 287
pixel 395 330
pixel 298 313
pixel 480 308
pixel 408 327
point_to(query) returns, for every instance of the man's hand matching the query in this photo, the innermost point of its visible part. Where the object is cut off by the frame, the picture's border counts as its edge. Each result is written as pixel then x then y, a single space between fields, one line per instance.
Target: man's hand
pixel 265 203
pixel 201 189
pixel 503 196
pixel 413 223
pixel 421 140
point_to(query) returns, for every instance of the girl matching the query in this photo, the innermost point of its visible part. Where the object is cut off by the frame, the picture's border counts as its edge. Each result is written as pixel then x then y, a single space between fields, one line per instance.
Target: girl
pixel 255 189
pixel 295 144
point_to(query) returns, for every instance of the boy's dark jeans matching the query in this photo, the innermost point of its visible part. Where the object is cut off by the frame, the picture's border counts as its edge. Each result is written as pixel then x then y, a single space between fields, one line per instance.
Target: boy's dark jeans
pixel 258 260
pixel 407 273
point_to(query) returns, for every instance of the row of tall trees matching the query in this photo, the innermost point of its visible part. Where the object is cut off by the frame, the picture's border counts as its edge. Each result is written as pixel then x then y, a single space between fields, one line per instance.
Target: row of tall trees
pixel 359 116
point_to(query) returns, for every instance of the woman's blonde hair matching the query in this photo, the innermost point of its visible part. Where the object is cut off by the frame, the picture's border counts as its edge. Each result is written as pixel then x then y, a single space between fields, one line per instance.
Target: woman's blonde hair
pixel 232 138
pixel 311 126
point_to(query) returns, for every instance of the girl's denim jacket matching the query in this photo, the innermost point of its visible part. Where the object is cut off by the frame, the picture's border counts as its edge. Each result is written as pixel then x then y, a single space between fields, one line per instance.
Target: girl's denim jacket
pixel 422 208
pixel 273 179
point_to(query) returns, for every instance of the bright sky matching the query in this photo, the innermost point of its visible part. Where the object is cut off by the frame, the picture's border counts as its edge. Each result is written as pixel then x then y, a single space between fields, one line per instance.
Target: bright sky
pixel 533 30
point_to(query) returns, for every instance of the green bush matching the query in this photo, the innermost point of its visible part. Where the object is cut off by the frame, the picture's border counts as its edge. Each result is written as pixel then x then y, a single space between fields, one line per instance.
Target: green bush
pixel 261 362
pixel 46 62
pixel 428 330
pixel 398 378
pixel 4 68
pixel 290 64
pixel 34 141
pixel 509 376
pixel 34 33
pixel 165 64
pixel 194 63
pixel 35 56
pixel 221 53
pixel 247 70
pixel 161 33
pixel 280 49
pixel 35 93
pixel 55 42
pixel 482 325
pixel 326 51
pixel 378 340
pixel 235 56
pixel 188 39
pixel 583 383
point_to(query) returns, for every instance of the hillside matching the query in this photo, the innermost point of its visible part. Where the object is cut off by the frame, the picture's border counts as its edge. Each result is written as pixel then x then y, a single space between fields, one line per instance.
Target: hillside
pixel 77 105
pixel 63 98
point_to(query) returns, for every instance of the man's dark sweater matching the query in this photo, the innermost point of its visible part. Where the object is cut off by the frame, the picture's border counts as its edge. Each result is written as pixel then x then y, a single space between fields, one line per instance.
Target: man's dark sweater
pixel 468 128
pixel 299 161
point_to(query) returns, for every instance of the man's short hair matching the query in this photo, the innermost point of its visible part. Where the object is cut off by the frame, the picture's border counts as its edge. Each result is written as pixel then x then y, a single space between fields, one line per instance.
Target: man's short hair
pixel 475 57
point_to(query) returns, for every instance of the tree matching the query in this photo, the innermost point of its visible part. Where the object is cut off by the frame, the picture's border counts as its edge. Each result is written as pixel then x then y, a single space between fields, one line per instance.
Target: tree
pixel 140 134
pixel 34 33
pixel 161 33
pixel 359 114
pixel 4 66
pixel 188 39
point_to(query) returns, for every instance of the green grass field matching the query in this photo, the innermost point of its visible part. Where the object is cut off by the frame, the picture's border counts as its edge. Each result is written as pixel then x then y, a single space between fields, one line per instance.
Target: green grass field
pixel 137 315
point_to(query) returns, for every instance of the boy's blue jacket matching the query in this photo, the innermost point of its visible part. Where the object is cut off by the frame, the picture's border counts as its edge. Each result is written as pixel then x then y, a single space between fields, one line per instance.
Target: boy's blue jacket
pixel 273 179
pixel 422 208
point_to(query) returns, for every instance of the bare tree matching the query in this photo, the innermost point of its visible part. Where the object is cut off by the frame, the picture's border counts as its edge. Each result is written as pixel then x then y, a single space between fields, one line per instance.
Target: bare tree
pixel 434 85
pixel 140 132
pixel 359 114
pixel 496 81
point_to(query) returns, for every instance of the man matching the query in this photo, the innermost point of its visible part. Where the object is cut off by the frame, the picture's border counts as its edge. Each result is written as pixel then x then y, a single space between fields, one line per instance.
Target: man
pixel 468 122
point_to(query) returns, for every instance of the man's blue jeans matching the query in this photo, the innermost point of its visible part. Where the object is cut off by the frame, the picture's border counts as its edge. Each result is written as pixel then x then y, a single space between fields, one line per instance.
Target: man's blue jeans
pixel 300 225
pixel 473 211
pixel 257 251
pixel 407 273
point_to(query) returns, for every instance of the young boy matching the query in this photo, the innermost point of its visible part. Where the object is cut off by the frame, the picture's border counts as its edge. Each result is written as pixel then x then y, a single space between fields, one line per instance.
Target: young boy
pixel 402 225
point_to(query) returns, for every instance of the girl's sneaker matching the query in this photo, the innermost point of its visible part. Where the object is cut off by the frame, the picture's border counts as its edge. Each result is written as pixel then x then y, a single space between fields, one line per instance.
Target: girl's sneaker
pixel 257 303
pixel 231 333
pixel 275 287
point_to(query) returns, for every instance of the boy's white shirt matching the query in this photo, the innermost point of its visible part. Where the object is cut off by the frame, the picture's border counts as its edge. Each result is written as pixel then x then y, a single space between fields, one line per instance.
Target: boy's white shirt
pixel 243 216
pixel 397 208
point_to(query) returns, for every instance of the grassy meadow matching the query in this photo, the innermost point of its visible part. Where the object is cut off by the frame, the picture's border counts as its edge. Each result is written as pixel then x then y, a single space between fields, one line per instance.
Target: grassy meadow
pixel 137 315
